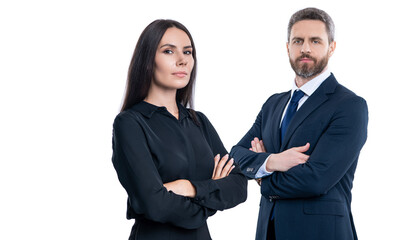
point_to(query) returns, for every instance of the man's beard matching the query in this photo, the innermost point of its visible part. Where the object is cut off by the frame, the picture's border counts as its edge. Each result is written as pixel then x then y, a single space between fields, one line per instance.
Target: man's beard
pixel 305 71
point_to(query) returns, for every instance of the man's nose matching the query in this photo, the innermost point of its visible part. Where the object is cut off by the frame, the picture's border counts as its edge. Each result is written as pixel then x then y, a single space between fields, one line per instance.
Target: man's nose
pixel 305 48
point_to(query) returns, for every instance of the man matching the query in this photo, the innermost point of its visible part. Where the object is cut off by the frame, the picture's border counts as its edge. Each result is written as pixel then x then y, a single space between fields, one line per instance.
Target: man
pixel 311 138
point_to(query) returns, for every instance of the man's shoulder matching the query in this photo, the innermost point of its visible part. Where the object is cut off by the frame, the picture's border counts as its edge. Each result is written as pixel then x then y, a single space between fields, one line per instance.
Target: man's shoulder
pixel 343 99
pixel 343 94
pixel 276 98
pixel 338 87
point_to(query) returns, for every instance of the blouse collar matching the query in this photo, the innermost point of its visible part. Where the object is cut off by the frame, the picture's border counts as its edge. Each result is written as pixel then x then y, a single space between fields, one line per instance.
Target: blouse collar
pixel 148 109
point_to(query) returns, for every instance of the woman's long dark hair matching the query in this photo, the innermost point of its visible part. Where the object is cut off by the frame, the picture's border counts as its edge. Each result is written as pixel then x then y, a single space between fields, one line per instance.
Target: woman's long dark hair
pixel 142 66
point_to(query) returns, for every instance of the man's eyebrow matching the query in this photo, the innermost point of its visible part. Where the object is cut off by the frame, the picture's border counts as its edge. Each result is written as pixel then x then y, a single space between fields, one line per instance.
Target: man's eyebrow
pixel 316 38
pixel 311 38
pixel 297 38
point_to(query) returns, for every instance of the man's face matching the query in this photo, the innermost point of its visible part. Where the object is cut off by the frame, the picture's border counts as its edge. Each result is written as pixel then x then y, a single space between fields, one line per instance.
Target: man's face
pixel 308 48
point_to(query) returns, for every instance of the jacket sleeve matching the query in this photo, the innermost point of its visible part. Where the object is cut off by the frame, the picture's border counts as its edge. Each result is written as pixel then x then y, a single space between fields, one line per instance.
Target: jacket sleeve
pixel 249 161
pixel 137 173
pixel 337 150
pixel 223 193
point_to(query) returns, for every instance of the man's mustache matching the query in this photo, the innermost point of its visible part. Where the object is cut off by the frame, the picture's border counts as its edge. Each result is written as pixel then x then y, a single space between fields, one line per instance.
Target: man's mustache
pixel 305 55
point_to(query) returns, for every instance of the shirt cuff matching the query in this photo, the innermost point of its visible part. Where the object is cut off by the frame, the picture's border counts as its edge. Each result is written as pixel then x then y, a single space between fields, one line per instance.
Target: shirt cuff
pixel 262 172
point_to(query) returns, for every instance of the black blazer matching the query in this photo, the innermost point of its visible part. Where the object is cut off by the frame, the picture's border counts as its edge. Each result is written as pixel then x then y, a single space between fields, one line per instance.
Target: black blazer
pixel 152 147
pixel 312 200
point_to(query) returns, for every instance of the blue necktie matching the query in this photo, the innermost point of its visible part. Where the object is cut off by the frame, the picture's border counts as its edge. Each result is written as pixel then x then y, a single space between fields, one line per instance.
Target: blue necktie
pixel 289 114
pixel 291 109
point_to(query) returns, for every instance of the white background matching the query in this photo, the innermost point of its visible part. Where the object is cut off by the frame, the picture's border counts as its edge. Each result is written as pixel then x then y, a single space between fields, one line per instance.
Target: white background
pixel 63 67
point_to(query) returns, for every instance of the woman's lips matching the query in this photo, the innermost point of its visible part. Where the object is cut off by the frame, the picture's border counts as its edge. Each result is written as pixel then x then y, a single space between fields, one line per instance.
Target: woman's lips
pixel 180 74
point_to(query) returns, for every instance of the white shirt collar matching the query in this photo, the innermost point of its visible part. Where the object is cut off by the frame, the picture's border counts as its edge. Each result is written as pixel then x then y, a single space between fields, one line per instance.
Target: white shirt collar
pixel 310 87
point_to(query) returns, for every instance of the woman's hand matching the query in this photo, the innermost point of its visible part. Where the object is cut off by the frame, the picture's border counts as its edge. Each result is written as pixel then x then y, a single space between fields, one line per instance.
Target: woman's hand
pixel 221 171
pixel 184 187
pixel 181 187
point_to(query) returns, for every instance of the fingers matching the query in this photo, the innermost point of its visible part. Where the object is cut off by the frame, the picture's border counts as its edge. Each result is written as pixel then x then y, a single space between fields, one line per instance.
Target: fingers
pixel 230 170
pixel 302 148
pixel 216 160
pixel 302 158
pixel 226 170
pixel 223 167
pixel 253 148
pixel 257 145
pixel 262 146
pixel 220 166
pixel 290 158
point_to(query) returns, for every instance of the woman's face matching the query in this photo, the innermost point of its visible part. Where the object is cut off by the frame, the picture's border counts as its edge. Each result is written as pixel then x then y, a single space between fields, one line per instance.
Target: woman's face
pixel 173 60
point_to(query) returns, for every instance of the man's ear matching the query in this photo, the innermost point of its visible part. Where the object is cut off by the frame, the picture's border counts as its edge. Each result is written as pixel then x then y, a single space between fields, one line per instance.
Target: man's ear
pixel 332 47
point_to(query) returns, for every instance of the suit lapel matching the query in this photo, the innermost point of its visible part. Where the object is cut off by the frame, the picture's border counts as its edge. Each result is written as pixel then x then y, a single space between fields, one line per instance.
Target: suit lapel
pixel 276 118
pixel 312 103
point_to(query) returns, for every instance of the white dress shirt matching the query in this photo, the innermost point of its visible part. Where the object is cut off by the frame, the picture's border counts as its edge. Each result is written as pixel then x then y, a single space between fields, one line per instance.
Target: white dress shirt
pixel 308 88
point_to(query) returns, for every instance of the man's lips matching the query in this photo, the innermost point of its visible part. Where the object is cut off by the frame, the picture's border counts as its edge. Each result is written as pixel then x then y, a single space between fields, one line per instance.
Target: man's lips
pixel 305 60
pixel 180 74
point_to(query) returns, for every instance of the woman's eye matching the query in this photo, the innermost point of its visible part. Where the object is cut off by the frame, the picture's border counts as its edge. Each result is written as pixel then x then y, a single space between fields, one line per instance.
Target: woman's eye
pixel 168 51
pixel 187 52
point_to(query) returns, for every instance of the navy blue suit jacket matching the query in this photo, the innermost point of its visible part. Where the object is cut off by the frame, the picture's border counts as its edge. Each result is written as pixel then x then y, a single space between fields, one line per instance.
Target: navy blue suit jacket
pixel 311 200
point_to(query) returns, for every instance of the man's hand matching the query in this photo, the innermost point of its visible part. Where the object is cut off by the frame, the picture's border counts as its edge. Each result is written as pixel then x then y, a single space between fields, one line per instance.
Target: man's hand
pixel 289 158
pixel 257 146
pixel 221 171
pixel 181 187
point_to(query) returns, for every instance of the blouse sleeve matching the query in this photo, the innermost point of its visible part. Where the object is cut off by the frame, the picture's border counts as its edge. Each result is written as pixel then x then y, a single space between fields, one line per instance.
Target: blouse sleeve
pixel 137 173
pixel 223 193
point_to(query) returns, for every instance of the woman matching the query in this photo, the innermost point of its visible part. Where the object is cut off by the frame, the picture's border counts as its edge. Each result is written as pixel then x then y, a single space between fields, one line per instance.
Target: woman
pixel 163 152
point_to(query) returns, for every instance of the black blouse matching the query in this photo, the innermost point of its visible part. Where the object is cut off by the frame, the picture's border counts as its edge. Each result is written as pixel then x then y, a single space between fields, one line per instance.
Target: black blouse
pixel 152 147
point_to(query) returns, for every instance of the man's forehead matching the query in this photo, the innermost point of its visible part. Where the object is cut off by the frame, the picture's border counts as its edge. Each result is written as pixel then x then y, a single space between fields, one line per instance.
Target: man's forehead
pixel 309 28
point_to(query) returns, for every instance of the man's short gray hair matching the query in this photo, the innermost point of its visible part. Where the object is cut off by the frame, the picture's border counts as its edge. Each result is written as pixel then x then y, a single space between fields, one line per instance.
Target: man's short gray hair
pixel 313 14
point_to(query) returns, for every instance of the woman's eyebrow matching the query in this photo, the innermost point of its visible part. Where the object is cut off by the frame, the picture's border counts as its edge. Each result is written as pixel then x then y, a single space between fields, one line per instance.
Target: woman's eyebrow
pixel 174 46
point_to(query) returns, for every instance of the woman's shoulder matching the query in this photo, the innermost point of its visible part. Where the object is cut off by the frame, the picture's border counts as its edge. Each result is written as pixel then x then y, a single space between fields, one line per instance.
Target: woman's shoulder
pixel 203 120
pixel 132 114
pixel 200 116
pixel 198 113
